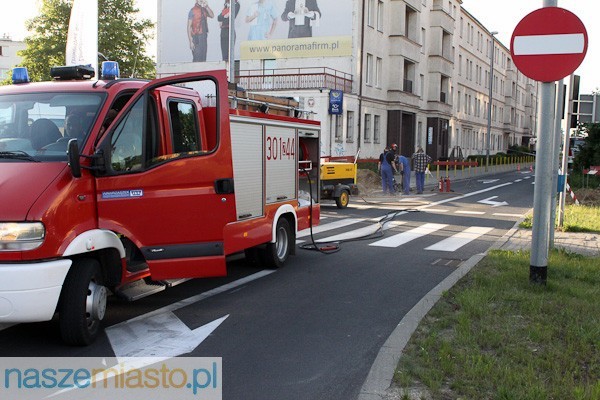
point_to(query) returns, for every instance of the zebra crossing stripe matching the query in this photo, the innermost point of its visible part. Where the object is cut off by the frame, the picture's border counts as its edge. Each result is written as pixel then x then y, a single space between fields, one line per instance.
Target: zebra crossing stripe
pixel 361 232
pixel 457 241
pixel 408 236
pixel 328 227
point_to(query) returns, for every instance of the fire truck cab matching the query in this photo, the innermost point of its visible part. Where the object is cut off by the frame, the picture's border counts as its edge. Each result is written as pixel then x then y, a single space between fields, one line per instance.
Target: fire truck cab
pixel 126 187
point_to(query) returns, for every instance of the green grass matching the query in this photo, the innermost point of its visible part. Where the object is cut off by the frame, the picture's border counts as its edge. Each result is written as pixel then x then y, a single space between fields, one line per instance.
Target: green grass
pixel 582 219
pixel 577 219
pixel 496 336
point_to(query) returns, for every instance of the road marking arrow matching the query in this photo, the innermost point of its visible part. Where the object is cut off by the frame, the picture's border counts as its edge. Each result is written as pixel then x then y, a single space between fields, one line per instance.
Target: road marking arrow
pixel 162 335
pixel 489 201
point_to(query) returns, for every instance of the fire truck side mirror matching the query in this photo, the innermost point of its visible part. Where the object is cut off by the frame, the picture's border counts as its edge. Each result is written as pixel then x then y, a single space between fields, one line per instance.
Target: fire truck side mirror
pixel 73 152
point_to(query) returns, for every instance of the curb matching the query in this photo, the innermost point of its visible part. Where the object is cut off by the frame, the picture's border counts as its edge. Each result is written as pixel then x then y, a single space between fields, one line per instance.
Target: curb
pixel 382 371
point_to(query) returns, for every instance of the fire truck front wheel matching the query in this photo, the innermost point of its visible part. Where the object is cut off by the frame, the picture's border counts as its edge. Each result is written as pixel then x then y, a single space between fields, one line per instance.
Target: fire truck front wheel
pixel 276 253
pixel 82 303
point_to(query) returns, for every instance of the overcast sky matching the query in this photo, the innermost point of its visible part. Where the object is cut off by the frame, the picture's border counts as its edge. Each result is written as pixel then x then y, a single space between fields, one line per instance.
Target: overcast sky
pixel 501 16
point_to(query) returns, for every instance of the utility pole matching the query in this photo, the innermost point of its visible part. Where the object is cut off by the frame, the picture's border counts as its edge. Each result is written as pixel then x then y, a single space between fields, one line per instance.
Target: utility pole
pixel 489 116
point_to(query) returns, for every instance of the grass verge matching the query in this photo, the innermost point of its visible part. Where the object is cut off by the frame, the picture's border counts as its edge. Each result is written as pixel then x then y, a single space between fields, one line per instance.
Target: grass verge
pixel 577 219
pixel 496 336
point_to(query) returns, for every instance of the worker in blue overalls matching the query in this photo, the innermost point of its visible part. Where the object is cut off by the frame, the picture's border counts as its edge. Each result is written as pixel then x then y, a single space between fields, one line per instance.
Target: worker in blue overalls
pixel 405 171
pixel 387 168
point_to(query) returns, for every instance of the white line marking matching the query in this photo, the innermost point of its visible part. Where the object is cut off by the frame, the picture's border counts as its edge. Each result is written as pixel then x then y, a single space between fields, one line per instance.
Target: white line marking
pixel 202 296
pixel 327 227
pixel 437 203
pixel 436 210
pixel 457 241
pixel 471 212
pixel 535 45
pixel 508 215
pixel 519 180
pixel 490 201
pixel 405 237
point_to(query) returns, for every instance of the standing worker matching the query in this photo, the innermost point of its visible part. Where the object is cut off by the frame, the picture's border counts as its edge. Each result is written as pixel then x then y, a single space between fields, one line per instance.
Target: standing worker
pixel 420 160
pixel 405 171
pixel 387 168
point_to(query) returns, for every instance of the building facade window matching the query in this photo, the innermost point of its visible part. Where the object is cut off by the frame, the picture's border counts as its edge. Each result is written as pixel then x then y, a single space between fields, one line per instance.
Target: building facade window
pixel 336 127
pixel 350 126
pixel 378 71
pixel 367 128
pixel 369 71
pixel 411 28
pixel 380 16
pixel 371 13
pixel 377 129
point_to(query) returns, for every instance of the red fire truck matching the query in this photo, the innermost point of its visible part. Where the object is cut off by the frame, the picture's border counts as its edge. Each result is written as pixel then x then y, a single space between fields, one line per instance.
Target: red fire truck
pixel 126 187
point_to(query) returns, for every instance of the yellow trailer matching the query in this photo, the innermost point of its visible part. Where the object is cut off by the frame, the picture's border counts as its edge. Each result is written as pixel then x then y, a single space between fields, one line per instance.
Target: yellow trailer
pixel 338 182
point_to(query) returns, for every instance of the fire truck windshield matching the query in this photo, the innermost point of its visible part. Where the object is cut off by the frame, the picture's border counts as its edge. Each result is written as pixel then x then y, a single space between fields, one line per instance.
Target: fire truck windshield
pixel 40 125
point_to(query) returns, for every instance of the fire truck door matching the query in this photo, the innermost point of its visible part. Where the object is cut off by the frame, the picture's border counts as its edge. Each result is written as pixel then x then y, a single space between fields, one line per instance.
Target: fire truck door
pixel 168 186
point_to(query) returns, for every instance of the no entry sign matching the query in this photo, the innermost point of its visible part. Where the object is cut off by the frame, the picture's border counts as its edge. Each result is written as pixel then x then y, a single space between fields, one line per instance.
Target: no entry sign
pixel 549 44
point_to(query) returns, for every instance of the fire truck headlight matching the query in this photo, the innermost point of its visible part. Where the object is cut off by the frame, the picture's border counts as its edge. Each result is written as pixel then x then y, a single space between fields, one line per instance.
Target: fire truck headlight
pixel 19 236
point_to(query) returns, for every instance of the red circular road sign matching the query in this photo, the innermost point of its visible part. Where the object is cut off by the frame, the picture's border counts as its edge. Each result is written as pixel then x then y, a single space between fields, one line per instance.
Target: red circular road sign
pixel 549 44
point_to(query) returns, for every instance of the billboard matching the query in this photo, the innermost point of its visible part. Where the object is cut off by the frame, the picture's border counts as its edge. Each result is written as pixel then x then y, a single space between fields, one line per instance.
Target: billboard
pixel 198 30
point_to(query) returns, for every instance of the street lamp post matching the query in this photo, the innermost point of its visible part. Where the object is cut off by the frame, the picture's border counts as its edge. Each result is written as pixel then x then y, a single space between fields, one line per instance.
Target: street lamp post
pixel 489 116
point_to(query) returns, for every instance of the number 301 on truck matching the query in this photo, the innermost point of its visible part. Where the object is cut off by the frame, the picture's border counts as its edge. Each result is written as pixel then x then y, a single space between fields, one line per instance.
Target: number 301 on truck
pixel 122 186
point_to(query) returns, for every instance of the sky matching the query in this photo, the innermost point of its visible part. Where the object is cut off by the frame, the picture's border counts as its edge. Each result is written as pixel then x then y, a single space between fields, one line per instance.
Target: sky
pixel 501 16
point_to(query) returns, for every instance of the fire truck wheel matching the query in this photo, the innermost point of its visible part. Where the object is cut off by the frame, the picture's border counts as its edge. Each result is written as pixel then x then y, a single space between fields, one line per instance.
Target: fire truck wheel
pixel 343 200
pixel 276 253
pixel 83 303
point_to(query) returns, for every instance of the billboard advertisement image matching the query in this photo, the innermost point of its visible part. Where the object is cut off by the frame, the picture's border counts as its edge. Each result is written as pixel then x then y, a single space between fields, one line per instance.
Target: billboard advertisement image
pixel 198 30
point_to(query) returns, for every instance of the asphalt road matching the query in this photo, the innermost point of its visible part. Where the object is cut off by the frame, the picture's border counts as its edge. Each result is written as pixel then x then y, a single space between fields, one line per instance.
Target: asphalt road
pixel 312 329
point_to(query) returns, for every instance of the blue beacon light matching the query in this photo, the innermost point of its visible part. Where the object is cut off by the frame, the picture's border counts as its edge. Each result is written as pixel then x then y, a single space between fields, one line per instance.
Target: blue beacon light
pixel 20 75
pixel 110 70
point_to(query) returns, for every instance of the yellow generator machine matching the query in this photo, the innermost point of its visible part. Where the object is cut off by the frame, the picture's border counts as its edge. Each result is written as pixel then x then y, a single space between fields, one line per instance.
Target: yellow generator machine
pixel 338 181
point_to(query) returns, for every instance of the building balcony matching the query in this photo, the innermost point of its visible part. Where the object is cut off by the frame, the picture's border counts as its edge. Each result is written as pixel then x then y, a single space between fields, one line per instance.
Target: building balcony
pixel 294 79
pixel 441 64
pixel 441 18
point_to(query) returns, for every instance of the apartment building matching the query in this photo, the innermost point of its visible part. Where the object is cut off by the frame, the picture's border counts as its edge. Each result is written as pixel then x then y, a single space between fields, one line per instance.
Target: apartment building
pixel 8 54
pixel 411 72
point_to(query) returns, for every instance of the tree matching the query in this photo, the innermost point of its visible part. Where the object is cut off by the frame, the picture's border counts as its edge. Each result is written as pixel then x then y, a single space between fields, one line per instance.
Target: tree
pixel 121 38
pixel 589 153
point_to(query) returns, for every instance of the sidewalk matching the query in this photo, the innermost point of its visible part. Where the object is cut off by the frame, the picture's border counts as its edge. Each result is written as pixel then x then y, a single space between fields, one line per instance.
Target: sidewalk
pixel 455 175
pixel 587 244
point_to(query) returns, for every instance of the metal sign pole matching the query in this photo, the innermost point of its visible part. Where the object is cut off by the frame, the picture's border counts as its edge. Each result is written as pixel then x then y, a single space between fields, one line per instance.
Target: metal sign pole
pixel 565 156
pixel 538 269
pixel 556 155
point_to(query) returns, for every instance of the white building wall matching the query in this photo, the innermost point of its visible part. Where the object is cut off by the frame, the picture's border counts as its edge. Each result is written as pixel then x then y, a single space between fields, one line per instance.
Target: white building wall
pixel 8 55
pixel 439 47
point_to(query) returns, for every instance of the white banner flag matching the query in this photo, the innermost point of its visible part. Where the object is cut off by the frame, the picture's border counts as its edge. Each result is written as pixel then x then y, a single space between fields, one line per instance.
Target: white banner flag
pixel 82 39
